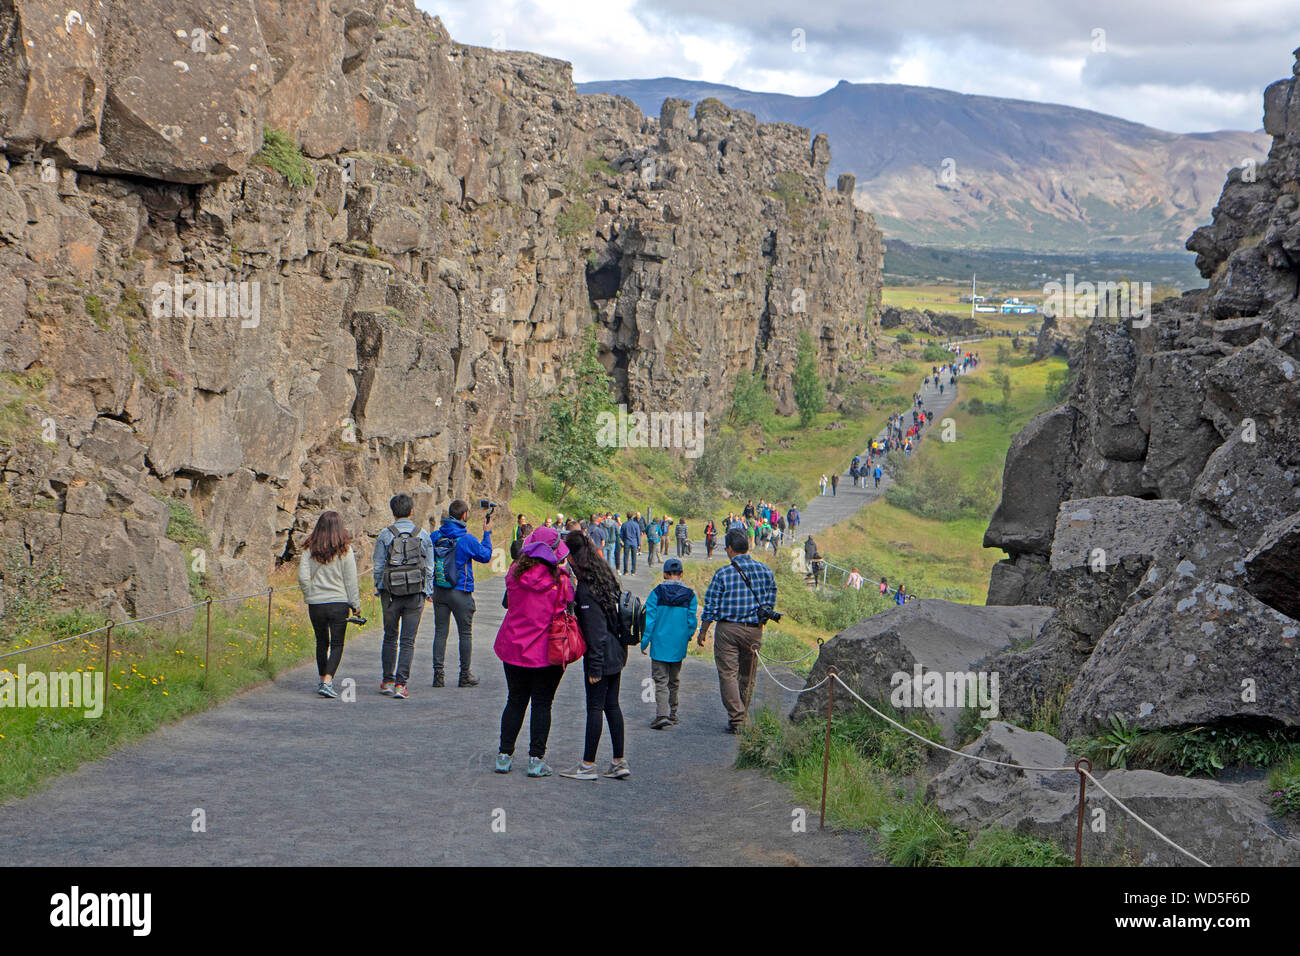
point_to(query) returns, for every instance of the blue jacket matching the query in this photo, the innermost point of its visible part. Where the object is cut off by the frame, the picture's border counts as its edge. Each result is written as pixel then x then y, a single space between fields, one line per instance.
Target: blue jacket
pixel 670 621
pixel 597 535
pixel 652 533
pixel 631 533
pixel 468 550
pixel 385 540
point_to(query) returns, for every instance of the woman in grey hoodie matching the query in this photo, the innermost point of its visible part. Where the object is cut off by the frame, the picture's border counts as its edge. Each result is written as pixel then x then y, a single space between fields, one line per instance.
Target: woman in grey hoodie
pixel 327 575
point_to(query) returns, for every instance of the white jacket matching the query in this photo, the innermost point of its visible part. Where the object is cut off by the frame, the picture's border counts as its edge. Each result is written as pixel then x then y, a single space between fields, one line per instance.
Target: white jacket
pixel 335 582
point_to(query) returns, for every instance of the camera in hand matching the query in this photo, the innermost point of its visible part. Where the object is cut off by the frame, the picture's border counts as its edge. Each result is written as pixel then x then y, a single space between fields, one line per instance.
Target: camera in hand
pixel 487 506
pixel 767 613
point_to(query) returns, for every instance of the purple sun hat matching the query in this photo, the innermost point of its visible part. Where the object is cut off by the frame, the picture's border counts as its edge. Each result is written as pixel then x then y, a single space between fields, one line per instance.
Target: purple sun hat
pixel 545 543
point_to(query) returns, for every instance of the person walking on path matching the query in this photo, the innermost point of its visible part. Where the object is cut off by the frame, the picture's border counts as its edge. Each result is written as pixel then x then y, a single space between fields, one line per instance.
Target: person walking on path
pixel 854 580
pixel 537 587
pixel 630 533
pixel 735 594
pixel 454 552
pixel 327 577
pixel 683 538
pixel 876 475
pixel 653 532
pixel 835 484
pixel 792 519
pixel 404 579
pixel 671 613
pixel 610 527
pixel 900 596
pixel 710 538
pixel 598 618
pixel 822 485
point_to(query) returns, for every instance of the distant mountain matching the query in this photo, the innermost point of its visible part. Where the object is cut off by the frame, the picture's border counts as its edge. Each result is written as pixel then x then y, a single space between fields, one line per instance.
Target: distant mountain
pixel 945 168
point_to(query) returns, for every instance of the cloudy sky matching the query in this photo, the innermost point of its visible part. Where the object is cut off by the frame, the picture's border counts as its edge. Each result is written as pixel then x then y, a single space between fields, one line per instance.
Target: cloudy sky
pixel 1181 65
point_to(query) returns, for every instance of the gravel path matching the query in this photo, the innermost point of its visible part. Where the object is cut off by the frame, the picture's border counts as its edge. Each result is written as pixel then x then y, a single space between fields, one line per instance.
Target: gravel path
pixel 285 777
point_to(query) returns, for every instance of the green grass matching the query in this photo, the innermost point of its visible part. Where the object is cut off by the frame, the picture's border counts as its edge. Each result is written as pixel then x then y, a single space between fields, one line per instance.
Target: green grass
pixel 874 786
pixel 281 153
pixel 1191 751
pixel 1284 787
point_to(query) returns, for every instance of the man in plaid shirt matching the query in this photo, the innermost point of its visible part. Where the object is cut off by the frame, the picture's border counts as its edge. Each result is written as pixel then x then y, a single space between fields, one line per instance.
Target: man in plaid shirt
pixel 731 603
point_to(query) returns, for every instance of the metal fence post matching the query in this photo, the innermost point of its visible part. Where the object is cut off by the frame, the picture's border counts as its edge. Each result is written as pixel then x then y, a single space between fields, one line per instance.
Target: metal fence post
pixel 1083 787
pixel 831 672
pixel 267 658
pixel 108 653
pixel 207 646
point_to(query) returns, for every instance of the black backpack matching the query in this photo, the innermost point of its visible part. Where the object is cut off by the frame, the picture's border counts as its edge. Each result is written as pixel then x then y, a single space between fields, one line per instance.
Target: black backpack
pixel 631 619
pixel 404 570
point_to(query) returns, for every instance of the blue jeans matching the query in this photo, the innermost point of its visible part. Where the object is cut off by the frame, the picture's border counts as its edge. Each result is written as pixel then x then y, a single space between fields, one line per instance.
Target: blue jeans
pixel 609 556
pixel 629 555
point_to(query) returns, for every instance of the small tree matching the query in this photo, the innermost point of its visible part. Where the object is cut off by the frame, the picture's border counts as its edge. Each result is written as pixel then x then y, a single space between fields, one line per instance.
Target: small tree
pixel 809 391
pixel 1003 381
pixel 568 447
pixel 750 401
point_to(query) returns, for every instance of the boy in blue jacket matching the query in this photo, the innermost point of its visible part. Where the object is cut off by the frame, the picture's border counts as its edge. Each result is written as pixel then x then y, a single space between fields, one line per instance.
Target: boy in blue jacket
pixel 671 614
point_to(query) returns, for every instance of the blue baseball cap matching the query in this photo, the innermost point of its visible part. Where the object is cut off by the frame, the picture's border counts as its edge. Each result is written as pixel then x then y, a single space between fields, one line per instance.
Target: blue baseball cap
pixel 672 566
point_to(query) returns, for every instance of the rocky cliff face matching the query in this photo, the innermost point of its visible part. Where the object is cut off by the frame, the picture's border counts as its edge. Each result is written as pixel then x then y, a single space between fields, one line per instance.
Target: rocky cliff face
pixel 397 319
pixel 1157 508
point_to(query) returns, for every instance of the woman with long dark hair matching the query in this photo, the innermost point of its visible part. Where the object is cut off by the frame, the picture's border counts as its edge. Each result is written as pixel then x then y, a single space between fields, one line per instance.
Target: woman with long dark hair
pixel 597 610
pixel 536 588
pixel 327 576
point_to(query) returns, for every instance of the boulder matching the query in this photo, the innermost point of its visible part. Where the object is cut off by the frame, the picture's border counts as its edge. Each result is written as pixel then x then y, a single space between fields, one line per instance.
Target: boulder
pixel 1221 825
pixel 1196 652
pixel 938 636
pixel 1034 483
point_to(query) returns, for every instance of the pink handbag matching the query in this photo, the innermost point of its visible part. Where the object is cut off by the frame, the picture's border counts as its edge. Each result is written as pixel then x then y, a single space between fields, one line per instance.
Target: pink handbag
pixel 565 643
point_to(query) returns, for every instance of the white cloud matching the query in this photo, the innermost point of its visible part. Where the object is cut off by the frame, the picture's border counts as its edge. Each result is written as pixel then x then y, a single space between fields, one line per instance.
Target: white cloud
pixel 1201 69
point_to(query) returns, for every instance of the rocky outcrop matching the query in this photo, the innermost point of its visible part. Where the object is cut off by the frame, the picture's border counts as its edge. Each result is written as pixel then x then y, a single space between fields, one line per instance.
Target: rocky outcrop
pixel 936 636
pixel 393 321
pixel 1222 825
pixel 928 322
pixel 1180 448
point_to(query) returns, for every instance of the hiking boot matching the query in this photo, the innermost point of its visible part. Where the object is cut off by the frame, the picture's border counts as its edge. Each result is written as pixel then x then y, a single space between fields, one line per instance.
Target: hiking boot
pixel 326 689
pixel 468 680
pixel 504 761
pixel 438 679
pixel 735 728
pixel 386 688
pixel 581 772
pixel 618 770
pixel 537 767
pixel 659 723
pixel 399 692
pixel 673 720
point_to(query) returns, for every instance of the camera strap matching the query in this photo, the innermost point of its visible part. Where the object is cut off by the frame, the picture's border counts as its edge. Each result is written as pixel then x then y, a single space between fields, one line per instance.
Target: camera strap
pixel 745 578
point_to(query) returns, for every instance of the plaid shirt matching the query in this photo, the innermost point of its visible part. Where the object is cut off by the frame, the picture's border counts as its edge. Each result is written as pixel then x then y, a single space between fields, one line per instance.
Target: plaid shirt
pixel 729 599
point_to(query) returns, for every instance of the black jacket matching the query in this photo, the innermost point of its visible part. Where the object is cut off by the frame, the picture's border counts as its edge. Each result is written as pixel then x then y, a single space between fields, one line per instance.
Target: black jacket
pixel 606 654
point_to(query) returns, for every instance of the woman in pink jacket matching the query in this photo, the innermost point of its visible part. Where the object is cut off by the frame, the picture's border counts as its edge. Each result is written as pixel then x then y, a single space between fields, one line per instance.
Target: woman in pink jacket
pixel 537 585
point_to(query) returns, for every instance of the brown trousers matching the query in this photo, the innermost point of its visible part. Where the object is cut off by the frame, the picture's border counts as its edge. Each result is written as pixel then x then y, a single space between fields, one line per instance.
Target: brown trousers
pixel 735 653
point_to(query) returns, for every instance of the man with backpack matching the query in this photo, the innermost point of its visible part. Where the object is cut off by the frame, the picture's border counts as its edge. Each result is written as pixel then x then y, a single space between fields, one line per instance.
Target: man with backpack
pixel 683 539
pixel 404 579
pixel 454 552
pixel 653 532
pixel 630 535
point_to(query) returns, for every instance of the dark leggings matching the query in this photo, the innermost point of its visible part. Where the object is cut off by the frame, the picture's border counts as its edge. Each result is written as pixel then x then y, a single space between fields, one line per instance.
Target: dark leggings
pixel 535 685
pixel 602 704
pixel 329 621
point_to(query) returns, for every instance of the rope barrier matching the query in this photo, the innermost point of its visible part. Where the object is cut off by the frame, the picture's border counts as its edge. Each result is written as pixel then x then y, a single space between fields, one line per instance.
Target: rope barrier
pixel 833 675
pixel 1120 803
pixel 795 661
pixel 154 617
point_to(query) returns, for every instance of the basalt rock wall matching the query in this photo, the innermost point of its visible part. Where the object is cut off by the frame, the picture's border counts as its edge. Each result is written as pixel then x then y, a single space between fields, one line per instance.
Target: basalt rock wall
pixel 1156 509
pixel 396 319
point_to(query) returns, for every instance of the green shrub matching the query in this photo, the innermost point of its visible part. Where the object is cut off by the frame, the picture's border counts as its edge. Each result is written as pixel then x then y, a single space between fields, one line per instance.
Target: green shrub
pixel 1202 750
pixel 281 153
pixel 936 353
pixel 1284 786
pixel 576 219
pixel 750 402
pixel 904 338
